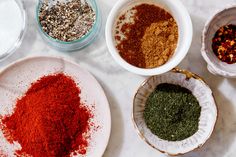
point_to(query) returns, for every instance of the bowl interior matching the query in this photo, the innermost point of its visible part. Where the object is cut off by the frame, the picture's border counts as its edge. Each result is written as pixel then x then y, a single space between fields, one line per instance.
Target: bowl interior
pixel 176 9
pixel 225 17
pixel 75 44
pixel 207 118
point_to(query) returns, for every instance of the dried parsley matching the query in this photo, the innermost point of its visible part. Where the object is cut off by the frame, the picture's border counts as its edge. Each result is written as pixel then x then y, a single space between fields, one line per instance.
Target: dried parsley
pixel 172 112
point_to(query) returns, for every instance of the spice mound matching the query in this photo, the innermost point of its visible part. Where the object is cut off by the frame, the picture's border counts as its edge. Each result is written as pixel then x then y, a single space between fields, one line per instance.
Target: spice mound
pixel 50 120
pixel 67 21
pixel 172 112
pixel 224 44
pixel 144 38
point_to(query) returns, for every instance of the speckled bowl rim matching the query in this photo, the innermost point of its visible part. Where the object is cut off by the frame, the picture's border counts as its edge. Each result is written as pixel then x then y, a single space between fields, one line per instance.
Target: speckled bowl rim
pixel 188 76
pixel 218 70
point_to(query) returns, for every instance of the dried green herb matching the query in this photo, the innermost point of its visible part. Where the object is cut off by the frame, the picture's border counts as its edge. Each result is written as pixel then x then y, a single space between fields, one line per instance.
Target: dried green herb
pixel 172 112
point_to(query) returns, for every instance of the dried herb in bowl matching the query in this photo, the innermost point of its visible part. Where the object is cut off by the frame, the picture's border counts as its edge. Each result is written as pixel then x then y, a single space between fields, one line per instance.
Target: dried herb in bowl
pixel 67 21
pixel 172 112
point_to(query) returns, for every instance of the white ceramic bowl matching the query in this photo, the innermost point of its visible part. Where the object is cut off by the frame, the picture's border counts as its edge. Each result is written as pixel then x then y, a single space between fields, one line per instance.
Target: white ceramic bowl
pixel 214 65
pixel 180 14
pixel 207 118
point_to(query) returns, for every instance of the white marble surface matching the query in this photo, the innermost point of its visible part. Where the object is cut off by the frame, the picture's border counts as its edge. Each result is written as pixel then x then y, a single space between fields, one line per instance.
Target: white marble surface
pixel 121 85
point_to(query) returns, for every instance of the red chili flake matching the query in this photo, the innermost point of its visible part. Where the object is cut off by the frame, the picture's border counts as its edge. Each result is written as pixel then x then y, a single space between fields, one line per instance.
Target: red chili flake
pixel 224 44
pixel 117 37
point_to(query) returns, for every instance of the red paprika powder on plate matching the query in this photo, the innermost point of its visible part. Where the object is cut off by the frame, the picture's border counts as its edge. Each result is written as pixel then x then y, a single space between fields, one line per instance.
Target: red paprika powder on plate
pixel 50 120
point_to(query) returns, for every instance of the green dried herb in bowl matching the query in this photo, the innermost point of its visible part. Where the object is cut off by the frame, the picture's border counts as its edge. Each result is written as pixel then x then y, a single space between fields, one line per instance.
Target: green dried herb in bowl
pixel 172 112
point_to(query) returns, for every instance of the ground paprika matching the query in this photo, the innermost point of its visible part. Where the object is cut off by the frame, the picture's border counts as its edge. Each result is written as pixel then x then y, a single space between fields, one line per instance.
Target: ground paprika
pixel 49 120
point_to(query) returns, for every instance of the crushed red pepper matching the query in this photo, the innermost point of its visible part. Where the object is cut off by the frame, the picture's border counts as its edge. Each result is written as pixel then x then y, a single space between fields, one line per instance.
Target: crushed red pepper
pixel 224 44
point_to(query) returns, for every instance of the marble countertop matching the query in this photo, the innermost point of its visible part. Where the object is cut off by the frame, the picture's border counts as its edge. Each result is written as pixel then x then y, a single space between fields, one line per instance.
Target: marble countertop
pixel 120 85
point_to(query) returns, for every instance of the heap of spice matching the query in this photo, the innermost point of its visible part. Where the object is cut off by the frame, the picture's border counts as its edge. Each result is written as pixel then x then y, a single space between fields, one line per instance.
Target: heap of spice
pixel 67 21
pixel 172 112
pixel 224 44
pixel 149 38
pixel 50 120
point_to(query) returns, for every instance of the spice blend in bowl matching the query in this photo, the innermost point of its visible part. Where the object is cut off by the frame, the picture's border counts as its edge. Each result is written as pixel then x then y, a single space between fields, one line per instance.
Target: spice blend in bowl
pixel 68 25
pixel 172 112
pixel 153 45
pixel 175 112
pixel 144 38
pixel 50 119
pixel 67 21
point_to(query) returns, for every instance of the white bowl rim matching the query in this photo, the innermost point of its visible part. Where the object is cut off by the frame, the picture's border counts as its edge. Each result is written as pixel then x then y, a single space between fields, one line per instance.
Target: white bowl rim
pixel 159 70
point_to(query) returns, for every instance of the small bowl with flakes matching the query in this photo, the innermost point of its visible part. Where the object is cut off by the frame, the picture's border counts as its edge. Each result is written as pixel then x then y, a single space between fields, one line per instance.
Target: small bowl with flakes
pixel 68 25
pixel 219 44
pixel 175 112
pixel 148 42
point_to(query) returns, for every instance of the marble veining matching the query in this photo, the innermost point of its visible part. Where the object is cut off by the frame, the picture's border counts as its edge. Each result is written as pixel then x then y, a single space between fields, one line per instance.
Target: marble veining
pixel 120 85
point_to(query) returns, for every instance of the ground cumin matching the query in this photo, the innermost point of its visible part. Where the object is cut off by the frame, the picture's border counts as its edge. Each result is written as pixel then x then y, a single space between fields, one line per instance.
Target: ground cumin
pixel 159 42
pixel 138 41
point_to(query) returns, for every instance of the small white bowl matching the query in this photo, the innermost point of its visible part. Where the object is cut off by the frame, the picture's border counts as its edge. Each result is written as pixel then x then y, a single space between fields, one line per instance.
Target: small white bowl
pixel 214 65
pixel 207 118
pixel 180 14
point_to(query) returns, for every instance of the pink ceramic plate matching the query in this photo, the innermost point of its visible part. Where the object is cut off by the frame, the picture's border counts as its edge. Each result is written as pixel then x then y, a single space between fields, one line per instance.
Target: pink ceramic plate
pixel 16 79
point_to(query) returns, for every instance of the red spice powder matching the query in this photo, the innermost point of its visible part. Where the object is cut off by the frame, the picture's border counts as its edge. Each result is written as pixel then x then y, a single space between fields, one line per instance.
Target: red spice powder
pixel 49 120
pixel 130 47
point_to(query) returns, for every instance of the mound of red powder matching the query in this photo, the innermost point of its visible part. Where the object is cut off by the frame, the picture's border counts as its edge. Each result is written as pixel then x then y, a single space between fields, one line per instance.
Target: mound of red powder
pixel 49 120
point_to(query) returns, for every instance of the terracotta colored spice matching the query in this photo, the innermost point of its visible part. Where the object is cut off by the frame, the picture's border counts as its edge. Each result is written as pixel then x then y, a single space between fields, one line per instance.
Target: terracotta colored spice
pixel 50 120
pixel 224 44
pixel 130 43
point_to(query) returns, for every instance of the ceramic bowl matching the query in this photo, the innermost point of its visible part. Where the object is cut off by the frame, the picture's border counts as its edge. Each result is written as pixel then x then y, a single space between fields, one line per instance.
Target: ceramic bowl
pixel 208 114
pixel 180 14
pixel 214 65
